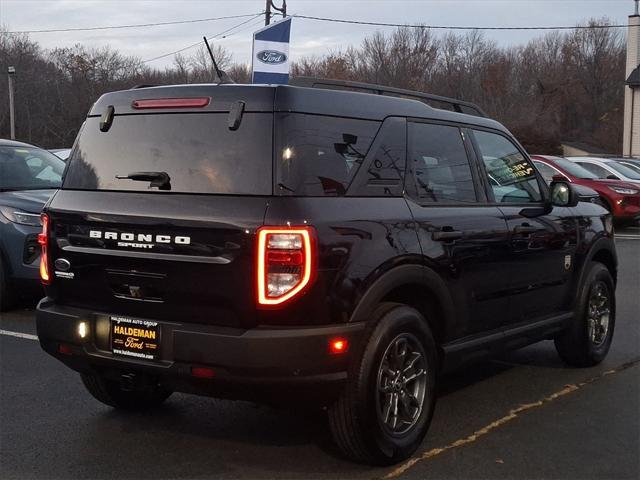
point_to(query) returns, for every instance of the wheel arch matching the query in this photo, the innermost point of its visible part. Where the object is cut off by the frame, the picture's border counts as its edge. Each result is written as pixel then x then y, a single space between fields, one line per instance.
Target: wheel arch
pixel 416 286
pixel 602 251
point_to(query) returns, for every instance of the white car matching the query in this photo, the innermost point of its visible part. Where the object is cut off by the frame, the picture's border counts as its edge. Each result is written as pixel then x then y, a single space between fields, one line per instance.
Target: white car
pixel 62 153
pixel 605 168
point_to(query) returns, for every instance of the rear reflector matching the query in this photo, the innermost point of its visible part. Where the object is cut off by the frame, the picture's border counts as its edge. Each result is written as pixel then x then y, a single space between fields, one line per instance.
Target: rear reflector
pixel 193 102
pixel 202 372
pixel 338 345
pixel 286 258
pixel 64 349
pixel 43 240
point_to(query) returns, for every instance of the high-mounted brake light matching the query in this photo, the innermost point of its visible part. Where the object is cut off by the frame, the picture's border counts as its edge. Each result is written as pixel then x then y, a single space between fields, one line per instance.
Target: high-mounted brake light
pixel 192 102
pixel 43 240
pixel 286 262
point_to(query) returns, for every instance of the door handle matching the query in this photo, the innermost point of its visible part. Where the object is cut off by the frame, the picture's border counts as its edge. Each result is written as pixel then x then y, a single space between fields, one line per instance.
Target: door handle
pixel 525 229
pixel 446 235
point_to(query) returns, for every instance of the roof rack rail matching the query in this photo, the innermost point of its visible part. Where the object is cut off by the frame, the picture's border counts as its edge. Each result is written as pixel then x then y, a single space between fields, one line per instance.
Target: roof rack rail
pixel 459 106
pixel 142 85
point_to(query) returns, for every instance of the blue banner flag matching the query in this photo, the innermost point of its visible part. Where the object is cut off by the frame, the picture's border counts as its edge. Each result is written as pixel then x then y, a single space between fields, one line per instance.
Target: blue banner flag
pixel 270 59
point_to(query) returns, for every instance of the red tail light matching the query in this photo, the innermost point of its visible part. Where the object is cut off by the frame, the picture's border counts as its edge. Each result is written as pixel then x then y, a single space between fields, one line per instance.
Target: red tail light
pixel 285 262
pixel 193 102
pixel 43 240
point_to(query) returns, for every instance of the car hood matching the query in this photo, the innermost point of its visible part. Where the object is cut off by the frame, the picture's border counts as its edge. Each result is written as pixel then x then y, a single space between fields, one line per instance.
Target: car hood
pixel 607 182
pixel 30 201
pixel 585 191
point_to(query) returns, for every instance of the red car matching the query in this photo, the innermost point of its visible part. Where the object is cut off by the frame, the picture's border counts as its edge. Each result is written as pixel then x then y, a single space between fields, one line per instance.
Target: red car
pixel 621 198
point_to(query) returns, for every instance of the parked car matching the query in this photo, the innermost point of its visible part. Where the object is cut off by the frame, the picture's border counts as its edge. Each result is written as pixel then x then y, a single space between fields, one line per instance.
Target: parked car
pixel 621 198
pixel 28 177
pixel 315 246
pixel 605 168
pixel 632 163
pixel 62 153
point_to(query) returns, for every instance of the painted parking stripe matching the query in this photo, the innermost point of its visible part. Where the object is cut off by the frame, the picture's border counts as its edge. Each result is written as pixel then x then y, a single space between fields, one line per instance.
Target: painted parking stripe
pixel 9 333
pixel 512 415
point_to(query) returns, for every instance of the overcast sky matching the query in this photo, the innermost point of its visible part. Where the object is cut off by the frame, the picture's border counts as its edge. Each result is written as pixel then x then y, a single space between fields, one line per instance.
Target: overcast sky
pixel 308 37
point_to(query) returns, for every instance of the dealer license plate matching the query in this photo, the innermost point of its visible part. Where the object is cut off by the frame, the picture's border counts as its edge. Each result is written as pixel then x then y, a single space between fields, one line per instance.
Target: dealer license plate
pixel 135 338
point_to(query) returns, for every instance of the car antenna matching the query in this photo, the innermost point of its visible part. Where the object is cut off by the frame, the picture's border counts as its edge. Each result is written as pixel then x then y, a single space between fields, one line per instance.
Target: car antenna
pixel 222 76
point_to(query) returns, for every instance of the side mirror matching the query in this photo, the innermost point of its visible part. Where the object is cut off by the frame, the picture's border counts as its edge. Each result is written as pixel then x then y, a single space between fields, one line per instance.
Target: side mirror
pixel 563 194
pixel 341 148
pixel 349 139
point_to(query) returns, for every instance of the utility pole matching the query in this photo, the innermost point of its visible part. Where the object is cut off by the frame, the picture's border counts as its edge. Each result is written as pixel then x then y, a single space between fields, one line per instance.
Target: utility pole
pixel 269 6
pixel 12 114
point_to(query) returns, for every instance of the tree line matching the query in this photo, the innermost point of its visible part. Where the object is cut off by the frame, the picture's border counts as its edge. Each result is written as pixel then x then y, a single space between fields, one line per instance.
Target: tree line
pixel 561 86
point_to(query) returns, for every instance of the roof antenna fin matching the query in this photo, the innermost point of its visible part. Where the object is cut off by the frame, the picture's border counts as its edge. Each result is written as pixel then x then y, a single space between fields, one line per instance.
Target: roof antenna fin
pixel 222 76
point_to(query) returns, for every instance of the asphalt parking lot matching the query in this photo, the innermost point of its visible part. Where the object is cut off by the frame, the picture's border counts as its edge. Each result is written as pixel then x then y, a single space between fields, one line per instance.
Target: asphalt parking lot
pixel 525 415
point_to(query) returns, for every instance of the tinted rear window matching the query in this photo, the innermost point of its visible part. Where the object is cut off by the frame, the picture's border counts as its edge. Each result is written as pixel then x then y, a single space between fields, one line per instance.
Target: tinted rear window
pixel 319 155
pixel 197 150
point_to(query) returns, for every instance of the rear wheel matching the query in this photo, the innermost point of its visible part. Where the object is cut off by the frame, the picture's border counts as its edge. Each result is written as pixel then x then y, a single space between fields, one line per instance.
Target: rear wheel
pixel 385 410
pixel 112 393
pixel 6 292
pixel 587 340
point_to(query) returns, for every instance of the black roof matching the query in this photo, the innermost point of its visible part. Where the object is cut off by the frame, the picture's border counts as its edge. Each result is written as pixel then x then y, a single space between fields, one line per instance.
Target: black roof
pixel 287 98
pixel 13 143
pixel 634 77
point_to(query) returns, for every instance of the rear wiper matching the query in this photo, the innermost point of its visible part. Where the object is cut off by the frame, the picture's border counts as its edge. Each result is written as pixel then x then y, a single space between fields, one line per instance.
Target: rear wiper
pixel 161 180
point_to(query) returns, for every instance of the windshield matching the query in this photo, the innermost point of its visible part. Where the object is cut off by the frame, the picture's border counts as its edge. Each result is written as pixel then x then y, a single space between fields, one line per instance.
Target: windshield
pixel 624 170
pixel 175 153
pixel 29 168
pixel 575 169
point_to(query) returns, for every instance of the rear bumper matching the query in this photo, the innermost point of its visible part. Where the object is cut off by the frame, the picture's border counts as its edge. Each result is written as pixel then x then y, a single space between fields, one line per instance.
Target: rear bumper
pixel 253 358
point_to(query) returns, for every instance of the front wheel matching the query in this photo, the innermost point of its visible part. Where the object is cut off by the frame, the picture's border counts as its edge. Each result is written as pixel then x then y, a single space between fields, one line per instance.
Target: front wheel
pixel 385 410
pixel 587 340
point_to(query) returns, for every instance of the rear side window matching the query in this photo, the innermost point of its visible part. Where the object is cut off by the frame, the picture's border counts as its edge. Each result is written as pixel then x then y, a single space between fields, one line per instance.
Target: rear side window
pixel 382 172
pixel 441 169
pixel 319 155
pixel 511 176
pixel 198 152
pixel 597 170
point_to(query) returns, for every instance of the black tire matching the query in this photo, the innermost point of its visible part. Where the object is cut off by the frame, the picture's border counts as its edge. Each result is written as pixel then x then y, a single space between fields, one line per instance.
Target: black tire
pixel 111 393
pixel 7 296
pixel 575 345
pixel 356 418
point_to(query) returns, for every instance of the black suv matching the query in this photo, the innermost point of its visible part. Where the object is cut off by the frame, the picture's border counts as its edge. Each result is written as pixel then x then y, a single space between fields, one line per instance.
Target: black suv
pixel 312 244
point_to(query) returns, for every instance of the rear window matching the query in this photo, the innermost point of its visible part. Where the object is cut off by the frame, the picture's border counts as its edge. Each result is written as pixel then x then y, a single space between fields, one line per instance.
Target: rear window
pixel 319 155
pixel 198 152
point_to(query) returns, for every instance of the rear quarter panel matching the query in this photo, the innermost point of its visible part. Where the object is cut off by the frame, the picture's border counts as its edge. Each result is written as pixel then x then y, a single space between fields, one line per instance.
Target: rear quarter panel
pixel 359 239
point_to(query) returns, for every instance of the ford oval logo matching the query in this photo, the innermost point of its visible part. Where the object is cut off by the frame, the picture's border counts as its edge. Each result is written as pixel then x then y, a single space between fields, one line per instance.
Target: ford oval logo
pixel 62 264
pixel 271 57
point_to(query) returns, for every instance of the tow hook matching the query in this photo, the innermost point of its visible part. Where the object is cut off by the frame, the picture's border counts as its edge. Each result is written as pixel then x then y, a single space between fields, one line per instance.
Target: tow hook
pixel 127 382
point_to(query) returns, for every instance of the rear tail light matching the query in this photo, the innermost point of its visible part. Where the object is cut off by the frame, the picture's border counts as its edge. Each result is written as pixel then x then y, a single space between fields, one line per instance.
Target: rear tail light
pixel 43 240
pixel 193 102
pixel 286 262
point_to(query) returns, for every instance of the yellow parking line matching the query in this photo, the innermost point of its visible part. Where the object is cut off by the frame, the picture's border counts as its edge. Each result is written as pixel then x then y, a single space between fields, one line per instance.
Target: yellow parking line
pixel 507 418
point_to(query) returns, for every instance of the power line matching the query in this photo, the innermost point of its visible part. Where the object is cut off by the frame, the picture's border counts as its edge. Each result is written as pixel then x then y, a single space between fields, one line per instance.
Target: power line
pixel 139 25
pixel 208 38
pixel 383 24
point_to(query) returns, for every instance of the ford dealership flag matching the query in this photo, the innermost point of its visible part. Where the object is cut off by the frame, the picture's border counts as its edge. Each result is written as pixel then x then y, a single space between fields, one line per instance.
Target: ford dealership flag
pixel 270 61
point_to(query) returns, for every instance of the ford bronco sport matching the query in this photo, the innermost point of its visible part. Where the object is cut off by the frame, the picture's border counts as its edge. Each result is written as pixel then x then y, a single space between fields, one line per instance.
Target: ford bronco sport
pixel 344 241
